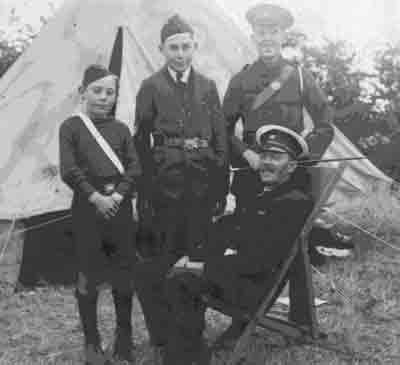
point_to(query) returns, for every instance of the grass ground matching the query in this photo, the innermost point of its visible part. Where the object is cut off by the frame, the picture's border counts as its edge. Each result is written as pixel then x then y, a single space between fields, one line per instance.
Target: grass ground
pixel 42 327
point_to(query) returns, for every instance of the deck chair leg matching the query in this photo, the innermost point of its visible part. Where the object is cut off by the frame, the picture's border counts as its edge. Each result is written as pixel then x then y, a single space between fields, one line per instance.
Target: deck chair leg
pixel 302 311
pixel 242 343
pixel 309 289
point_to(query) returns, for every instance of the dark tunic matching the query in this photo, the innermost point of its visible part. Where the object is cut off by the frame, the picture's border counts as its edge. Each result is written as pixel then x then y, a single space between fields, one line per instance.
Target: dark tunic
pixel 176 179
pixel 283 108
pixel 182 185
pixel 166 109
pixel 105 248
pixel 262 232
pixel 267 226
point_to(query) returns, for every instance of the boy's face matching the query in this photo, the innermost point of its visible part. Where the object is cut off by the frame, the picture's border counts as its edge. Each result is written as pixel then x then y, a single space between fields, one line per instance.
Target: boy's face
pixel 100 96
pixel 276 167
pixel 178 51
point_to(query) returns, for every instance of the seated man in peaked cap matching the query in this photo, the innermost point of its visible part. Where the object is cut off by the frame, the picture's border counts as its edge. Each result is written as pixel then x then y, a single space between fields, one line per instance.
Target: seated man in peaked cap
pixel 238 267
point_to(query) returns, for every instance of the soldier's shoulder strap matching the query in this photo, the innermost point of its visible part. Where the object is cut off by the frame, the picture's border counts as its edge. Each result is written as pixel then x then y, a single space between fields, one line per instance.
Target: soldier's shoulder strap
pixel 300 72
pixel 273 87
pixel 307 120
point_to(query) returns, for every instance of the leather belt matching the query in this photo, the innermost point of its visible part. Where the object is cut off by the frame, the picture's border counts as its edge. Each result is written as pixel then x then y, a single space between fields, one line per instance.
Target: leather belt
pixel 108 189
pixel 185 143
pixel 105 186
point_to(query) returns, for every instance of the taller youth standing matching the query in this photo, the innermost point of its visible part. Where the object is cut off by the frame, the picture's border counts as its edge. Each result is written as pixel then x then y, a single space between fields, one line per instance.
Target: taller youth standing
pixel 181 140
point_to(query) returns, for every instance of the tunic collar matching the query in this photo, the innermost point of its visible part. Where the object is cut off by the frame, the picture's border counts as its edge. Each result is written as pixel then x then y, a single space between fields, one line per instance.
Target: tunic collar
pixel 270 69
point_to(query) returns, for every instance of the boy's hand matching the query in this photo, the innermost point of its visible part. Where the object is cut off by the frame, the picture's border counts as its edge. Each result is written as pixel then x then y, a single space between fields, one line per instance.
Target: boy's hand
pixel 105 205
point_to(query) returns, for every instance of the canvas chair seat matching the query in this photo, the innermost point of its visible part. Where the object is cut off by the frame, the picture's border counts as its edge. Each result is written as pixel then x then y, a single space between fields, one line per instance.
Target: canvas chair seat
pixel 323 181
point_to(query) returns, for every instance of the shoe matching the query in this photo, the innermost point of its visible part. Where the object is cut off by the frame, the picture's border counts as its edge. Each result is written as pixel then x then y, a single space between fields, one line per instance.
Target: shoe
pixel 123 348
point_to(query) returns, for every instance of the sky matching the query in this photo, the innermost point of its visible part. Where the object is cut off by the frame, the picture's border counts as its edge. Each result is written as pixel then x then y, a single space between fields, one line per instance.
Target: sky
pixel 364 23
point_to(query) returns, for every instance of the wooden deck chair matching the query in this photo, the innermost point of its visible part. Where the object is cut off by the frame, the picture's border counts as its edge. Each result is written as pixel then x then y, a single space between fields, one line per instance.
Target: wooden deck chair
pixel 323 181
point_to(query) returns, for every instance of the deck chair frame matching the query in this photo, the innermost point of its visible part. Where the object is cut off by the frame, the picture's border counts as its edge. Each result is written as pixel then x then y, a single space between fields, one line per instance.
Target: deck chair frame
pixel 287 328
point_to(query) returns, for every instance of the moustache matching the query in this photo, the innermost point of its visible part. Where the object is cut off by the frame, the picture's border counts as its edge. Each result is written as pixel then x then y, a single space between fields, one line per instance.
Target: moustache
pixel 267 168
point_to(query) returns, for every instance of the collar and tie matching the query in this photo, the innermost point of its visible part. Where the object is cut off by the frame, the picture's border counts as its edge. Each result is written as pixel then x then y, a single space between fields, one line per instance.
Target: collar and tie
pixel 181 78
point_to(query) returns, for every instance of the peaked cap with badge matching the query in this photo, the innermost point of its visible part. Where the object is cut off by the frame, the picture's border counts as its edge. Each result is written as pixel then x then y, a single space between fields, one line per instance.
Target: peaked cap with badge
pixel 269 15
pixel 277 138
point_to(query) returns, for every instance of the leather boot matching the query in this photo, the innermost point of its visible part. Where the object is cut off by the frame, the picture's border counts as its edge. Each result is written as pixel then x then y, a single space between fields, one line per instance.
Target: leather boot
pixel 87 307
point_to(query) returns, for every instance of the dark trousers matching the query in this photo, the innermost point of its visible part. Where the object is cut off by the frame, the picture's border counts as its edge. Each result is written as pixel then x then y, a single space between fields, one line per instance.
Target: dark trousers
pixel 180 225
pixel 105 253
pixel 185 345
pixel 184 291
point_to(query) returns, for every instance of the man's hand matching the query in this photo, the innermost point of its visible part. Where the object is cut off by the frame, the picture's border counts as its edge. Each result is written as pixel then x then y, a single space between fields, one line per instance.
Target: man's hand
pixel 105 205
pixel 185 265
pixel 195 266
pixel 230 251
pixel 253 158
pixel 182 262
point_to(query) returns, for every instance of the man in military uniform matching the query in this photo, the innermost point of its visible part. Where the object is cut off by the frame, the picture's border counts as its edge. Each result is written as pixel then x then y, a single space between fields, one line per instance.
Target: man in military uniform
pixel 181 140
pixel 271 89
pixel 240 268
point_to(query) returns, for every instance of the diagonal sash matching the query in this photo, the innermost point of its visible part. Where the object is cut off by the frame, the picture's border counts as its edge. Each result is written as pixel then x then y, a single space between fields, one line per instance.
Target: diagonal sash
pixel 273 87
pixel 102 142
pixel 307 120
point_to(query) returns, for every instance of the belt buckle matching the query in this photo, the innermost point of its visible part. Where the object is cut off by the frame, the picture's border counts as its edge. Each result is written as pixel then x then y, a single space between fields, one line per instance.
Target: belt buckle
pixel 203 143
pixel 190 144
pixel 109 188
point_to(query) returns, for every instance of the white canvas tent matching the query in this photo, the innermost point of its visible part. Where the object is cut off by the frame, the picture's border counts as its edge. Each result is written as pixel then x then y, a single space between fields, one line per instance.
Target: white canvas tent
pixel 40 89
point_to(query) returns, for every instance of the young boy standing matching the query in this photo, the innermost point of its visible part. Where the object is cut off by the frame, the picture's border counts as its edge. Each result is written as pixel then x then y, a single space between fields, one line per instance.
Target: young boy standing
pixel 98 161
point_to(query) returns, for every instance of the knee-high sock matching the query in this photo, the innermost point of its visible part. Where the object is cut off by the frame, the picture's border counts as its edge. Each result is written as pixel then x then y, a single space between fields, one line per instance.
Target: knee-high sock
pixel 123 310
pixel 87 306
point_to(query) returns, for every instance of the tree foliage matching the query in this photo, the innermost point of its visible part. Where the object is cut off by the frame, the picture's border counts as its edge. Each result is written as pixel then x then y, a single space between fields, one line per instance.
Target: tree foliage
pixel 12 45
pixel 367 104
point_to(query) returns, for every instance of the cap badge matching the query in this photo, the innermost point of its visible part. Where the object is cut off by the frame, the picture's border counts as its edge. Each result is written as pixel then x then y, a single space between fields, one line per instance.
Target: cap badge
pixel 275 85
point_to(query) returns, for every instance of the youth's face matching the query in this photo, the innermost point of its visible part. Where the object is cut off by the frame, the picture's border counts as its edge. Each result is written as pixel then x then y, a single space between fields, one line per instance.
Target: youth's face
pixel 268 40
pixel 178 51
pixel 100 96
pixel 276 167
